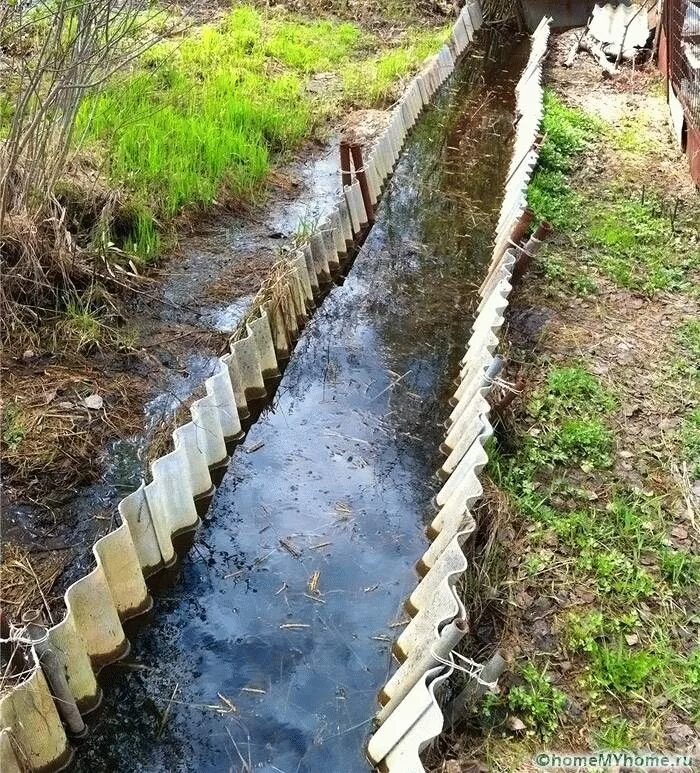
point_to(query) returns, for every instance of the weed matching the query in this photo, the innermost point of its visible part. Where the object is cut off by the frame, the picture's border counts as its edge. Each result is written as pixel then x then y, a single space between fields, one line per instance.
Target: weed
pixel 632 135
pixel 689 337
pixel 81 323
pixel 583 630
pixel 615 574
pixel 616 735
pixel 584 285
pixel 624 671
pixel 583 441
pixel 14 426
pixel 536 702
pixel 680 568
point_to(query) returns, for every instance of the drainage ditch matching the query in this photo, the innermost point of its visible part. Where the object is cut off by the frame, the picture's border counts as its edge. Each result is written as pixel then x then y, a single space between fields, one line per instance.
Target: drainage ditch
pixel 269 641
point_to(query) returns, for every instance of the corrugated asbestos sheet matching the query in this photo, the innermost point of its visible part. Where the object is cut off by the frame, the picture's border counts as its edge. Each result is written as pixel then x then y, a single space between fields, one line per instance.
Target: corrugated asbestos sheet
pixel 618 27
pixel 410 716
pixel 32 734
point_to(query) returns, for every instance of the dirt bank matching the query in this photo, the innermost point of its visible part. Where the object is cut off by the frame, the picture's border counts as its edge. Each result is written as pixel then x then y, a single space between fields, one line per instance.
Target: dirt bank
pixel 589 553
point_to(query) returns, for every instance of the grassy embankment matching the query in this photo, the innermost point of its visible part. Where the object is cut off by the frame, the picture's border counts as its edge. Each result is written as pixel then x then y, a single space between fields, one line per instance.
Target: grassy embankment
pixel 200 118
pixel 598 472
pixel 205 117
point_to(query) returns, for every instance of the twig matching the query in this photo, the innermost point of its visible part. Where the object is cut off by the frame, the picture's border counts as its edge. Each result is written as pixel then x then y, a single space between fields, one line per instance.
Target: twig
pixel 166 713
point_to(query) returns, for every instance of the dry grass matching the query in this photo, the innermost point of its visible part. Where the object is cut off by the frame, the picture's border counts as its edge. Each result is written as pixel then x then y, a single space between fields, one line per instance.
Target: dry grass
pixel 274 290
pixel 50 437
pixel 27 579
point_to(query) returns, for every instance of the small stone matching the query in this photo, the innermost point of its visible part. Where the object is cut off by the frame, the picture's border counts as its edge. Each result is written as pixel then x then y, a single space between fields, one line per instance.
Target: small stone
pixel 631 639
pixel 28 354
pixel 515 724
pixel 65 405
pixel 680 734
pixel 679 532
pixel 93 402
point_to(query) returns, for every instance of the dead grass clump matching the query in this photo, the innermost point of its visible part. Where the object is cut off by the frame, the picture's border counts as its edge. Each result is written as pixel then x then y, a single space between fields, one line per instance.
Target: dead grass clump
pixel 274 293
pixel 161 441
pixel 54 419
pixel 27 580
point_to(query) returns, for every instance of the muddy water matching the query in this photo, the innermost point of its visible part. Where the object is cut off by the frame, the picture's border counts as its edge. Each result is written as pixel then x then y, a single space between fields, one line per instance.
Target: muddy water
pixel 267 647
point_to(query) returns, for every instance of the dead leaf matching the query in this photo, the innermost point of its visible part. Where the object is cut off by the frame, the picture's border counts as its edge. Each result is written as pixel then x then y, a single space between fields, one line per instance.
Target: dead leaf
pixel 679 532
pixel 93 402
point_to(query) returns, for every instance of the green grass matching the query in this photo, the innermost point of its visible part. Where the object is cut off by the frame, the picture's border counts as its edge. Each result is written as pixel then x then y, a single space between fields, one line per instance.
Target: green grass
pixel 370 83
pixel 569 429
pixel 616 735
pixel 204 117
pixel 14 426
pixel 633 244
pixel 81 322
pixel 634 237
pixel 689 337
pixel 568 132
pixel 690 441
pixel 615 544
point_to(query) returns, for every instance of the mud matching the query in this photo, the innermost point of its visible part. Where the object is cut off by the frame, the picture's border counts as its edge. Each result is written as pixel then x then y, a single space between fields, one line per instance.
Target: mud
pixel 268 643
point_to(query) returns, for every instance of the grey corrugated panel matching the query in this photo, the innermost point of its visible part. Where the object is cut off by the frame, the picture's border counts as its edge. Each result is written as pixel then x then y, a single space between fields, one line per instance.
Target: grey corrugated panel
pixel 619 27
pixel 434 602
pixel 415 722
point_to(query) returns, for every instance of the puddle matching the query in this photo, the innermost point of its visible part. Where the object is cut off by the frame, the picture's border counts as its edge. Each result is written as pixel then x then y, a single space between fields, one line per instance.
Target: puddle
pixel 267 649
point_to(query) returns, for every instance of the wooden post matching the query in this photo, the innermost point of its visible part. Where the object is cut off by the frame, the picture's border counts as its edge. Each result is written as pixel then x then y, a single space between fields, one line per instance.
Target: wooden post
pixel 361 175
pixel 345 162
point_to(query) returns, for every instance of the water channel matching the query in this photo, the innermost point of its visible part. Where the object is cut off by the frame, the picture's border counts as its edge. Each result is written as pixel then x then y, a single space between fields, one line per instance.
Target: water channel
pixel 267 646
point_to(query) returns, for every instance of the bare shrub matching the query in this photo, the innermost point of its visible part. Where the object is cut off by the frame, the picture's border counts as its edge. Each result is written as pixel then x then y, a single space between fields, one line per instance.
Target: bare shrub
pixel 52 55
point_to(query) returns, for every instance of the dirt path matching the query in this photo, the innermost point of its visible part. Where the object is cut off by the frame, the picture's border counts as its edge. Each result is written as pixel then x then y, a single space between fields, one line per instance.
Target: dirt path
pixel 589 587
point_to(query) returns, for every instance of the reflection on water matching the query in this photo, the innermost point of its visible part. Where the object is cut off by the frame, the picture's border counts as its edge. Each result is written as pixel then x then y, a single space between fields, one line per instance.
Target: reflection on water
pixel 267 650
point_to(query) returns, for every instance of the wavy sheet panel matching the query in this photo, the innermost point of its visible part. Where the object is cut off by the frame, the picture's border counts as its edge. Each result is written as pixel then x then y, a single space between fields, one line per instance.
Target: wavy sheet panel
pixel 184 480
pixel 410 715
